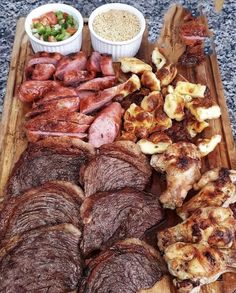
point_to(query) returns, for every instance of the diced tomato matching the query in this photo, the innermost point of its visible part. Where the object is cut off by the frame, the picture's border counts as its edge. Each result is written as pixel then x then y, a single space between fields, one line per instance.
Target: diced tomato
pixel 65 15
pixel 36 20
pixel 49 18
pixel 71 30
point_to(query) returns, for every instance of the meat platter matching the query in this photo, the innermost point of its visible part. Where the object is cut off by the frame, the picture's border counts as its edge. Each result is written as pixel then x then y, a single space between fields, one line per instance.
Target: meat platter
pixel 13 140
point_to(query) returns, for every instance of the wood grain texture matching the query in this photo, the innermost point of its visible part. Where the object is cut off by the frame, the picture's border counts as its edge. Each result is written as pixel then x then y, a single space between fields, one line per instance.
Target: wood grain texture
pixel 13 140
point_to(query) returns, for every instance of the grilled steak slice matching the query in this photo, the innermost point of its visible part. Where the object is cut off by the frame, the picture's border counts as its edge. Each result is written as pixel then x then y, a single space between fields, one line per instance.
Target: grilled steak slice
pixel 127 267
pixel 118 165
pixel 112 216
pixel 53 203
pixel 49 159
pixel 42 260
pixel 129 152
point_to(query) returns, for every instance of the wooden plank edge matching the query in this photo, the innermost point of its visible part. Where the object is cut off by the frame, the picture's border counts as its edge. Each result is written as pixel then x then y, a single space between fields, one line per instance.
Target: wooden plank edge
pixel 226 125
pixel 11 79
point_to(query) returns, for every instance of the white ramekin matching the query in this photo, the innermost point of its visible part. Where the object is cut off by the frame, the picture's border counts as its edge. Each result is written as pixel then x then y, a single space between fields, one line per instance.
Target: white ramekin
pixel 70 45
pixel 117 49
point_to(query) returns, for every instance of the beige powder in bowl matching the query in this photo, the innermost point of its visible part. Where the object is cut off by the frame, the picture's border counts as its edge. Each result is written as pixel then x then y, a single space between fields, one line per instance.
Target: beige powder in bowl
pixel 116 25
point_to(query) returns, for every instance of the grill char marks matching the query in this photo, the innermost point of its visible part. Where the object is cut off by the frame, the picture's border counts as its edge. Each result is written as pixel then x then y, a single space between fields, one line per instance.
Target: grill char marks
pixel 53 203
pixel 48 159
pixel 126 267
pixel 112 216
pixel 118 165
pixel 44 260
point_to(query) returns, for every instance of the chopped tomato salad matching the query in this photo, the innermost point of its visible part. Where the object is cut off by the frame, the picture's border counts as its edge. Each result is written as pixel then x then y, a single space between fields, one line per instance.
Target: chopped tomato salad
pixel 54 26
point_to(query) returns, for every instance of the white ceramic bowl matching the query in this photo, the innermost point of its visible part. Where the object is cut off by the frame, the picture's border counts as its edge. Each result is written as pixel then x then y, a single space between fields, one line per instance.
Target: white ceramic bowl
pixel 70 45
pixel 117 49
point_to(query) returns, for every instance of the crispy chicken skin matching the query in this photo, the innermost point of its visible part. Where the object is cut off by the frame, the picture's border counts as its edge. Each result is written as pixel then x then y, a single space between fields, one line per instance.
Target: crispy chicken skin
pixel 213 225
pixel 182 163
pixel 197 264
pixel 217 188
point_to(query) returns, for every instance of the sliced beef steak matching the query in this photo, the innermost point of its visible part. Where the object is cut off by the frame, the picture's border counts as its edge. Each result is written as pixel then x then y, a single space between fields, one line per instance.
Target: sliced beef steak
pixel 53 203
pixel 49 159
pixel 117 165
pixel 43 260
pixel 112 216
pixel 127 267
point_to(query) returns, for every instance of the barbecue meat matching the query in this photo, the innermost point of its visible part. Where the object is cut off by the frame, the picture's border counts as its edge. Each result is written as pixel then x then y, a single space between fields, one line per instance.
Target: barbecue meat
pixel 193 32
pixel 48 159
pixel 69 63
pixel 93 103
pixel 57 92
pixel 43 71
pixel 93 63
pixel 106 125
pixel 70 104
pixel 31 90
pixel 197 264
pixel 57 123
pixel 97 84
pixel 36 135
pixel 117 165
pixel 53 203
pixel 112 216
pixel 44 260
pixel 126 267
pixel 74 117
pixel 181 162
pixel 75 77
pixel 214 225
pixel 42 66
pixel 217 188
pixel 106 65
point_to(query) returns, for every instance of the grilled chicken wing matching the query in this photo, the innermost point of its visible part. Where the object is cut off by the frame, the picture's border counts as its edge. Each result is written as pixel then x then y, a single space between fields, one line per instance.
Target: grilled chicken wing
pixel 217 189
pixel 197 264
pixel 213 225
pixel 182 163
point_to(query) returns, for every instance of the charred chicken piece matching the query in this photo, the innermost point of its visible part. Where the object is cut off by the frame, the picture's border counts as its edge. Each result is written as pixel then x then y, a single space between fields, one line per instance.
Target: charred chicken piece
pixel 195 265
pixel 213 225
pixel 217 188
pixel 182 163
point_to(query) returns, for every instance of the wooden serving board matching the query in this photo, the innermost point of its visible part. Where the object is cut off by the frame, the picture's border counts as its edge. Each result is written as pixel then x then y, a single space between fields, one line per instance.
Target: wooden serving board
pixel 13 140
